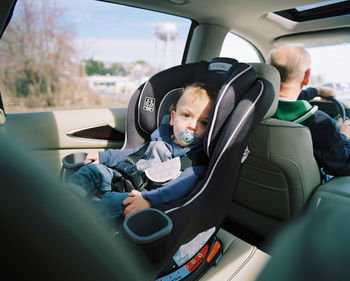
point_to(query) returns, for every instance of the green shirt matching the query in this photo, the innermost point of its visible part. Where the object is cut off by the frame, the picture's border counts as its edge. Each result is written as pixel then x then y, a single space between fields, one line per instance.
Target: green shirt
pixel 294 111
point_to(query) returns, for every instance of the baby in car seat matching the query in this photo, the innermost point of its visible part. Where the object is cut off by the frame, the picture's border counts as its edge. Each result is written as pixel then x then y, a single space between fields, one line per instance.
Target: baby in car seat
pixel 180 133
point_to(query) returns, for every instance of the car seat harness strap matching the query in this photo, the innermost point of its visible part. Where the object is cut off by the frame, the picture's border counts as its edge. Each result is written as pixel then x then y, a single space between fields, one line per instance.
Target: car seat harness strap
pixel 127 177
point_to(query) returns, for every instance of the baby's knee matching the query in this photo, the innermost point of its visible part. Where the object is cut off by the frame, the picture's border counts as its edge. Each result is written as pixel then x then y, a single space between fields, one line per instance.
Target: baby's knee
pixel 114 198
pixel 91 168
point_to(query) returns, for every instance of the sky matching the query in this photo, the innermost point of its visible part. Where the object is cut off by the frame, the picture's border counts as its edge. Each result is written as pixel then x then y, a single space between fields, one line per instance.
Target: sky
pixel 104 33
pixel 111 23
pixel 333 60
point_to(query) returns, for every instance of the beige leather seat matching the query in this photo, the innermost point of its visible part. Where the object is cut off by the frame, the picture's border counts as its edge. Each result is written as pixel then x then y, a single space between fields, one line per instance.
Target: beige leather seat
pixel 240 262
pixel 278 175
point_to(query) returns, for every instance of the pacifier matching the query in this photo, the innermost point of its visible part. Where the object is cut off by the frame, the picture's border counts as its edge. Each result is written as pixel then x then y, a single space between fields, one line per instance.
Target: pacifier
pixel 187 137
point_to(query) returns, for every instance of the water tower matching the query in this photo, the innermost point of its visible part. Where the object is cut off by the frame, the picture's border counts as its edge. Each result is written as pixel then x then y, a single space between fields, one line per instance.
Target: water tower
pixel 167 32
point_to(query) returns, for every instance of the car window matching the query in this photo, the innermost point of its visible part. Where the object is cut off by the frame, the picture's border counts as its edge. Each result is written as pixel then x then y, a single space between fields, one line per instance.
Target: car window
pixel 82 54
pixel 329 68
pixel 239 49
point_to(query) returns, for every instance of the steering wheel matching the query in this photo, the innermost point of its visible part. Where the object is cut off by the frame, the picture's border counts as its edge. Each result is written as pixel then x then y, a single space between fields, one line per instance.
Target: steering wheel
pixel 340 108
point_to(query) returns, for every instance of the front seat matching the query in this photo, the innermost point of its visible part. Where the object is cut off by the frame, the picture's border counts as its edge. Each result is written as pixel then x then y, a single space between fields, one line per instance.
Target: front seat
pixel 278 176
pixel 48 233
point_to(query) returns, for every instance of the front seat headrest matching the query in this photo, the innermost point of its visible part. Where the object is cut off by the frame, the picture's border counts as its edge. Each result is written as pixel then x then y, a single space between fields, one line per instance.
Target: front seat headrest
pixel 271 74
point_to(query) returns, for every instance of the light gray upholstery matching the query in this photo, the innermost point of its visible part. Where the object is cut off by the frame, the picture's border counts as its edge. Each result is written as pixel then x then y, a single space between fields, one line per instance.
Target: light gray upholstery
pixel 277 177
pixel 271 74
pixel 240 262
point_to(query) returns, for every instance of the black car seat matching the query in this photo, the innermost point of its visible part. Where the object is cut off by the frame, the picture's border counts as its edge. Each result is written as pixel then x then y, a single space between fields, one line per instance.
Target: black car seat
pixel 242 101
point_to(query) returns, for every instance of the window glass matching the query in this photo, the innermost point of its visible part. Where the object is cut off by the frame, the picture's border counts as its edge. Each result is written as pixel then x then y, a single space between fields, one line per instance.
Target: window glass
pixel 329 67
pixel 239 49
pixel 80 54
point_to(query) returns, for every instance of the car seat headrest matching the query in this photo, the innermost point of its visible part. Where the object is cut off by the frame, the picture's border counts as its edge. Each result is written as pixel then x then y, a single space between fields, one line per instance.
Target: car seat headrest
pixel 164 88
pixel 271 74
pixel 169 99
pixel 220 66
pixel 241 81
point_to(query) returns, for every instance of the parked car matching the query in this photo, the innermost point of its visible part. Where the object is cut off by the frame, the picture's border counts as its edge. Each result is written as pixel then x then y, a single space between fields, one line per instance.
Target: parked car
pixel 48 111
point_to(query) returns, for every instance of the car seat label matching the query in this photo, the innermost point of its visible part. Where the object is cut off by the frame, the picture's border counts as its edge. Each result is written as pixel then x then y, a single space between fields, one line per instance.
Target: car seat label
pixel 189 249
pixel 189 267
pixel 219 66
pixel 149 104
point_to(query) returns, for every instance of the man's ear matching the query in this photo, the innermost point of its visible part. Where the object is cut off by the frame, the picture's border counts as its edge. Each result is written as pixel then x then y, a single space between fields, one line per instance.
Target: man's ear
pixel 172 115
pixel 307 77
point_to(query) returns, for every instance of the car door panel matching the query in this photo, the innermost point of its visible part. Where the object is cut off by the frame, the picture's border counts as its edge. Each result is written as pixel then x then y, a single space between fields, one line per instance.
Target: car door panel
pixel 49 136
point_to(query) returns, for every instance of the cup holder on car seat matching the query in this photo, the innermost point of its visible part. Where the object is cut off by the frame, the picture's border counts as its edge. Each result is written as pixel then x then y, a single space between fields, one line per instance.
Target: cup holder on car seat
pixel 75 160
pixel 146 226
pixel 71 163
pixel 151 230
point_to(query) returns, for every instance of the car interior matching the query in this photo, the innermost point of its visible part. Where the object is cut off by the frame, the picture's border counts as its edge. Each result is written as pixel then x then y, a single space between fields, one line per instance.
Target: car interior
pixel 51 234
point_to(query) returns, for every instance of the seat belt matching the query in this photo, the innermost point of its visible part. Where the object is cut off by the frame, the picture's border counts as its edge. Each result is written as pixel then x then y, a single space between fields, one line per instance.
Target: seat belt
pixel 195 157
pixel 136 156
pixel 127 177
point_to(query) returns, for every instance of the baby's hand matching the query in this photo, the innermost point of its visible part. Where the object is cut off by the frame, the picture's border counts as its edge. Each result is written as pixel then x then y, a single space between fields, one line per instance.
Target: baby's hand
pixel 93 156
pixel 135 202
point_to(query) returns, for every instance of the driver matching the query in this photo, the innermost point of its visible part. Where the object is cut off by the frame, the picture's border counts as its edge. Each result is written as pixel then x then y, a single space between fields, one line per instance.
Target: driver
pixel 330 139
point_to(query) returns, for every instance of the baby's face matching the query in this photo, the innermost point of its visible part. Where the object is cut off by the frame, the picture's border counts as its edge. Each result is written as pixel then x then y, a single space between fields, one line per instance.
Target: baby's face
pixel 191 114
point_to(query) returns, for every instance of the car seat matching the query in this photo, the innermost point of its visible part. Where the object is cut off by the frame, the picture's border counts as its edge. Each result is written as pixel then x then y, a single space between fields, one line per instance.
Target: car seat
pixel 276 180
pixel 242 101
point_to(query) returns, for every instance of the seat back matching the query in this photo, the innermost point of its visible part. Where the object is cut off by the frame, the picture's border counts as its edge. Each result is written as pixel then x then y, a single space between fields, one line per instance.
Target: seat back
pixel 276 179
pixel 56 235
pixel 241 103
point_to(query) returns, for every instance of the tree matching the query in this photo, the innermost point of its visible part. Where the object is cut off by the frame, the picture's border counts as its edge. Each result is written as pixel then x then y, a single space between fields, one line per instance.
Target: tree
pixel 94 67
pixel 37 52
pixel 141 62
pixel 115 68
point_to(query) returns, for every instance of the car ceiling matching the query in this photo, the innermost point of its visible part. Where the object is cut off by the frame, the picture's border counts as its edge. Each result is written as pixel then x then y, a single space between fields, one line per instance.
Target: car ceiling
pixel 255 21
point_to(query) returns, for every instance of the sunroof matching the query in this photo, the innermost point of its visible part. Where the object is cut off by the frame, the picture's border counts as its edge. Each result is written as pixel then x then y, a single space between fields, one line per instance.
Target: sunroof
pixel 317 5
pixel 319 10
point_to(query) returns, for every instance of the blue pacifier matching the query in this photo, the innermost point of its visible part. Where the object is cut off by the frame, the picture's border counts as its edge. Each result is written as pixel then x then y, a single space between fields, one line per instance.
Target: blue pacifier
pixel 187 137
